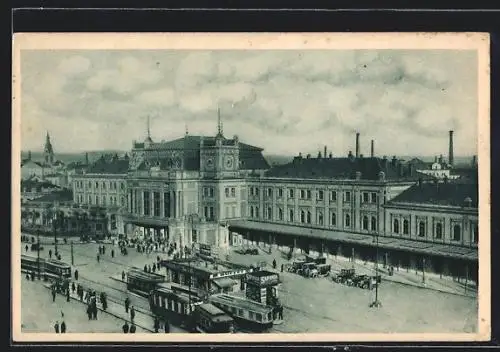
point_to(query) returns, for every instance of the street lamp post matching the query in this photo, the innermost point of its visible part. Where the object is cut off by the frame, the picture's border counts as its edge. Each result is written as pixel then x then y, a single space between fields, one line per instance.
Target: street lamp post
pixel 54 223
pixel 376 303
pixel 72 254
pixel 38 253
pixel 423 271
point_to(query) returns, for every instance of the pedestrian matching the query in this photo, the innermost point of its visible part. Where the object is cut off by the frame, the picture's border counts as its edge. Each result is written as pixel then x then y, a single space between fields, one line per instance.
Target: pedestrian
pixel 132 329
pixel 59 256
pixel 123 275
pixel 166 327
pixel 73 287
pixel 125 328
pixel 282 267
pixel 112 253
pixel 280 311
pixel 50 253
pixel 76 275
pixel 89 312
pixel 53 294
pixel 149 268
pixel 28 276
pixel 67 295
pixel 63 327
pixel 94 310
pixel 127 304
pixel 145 268
pixel 26 248
pixel 132 314
pixel 98 258
pixel 103 250
pixel 154 268
pixel 32 276
pixel 56 327
pixel 274 263
pixel 158 259
pixel 156 324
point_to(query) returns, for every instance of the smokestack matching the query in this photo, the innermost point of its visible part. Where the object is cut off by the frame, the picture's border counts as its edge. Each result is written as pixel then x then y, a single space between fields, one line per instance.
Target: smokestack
pixel 357 145
pixel 324 154
pixel 474 161
pixel 450 152
pixel 372 154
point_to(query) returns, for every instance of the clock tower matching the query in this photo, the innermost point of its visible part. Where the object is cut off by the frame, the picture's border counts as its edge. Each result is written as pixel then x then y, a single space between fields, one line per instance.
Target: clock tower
pixel 219 156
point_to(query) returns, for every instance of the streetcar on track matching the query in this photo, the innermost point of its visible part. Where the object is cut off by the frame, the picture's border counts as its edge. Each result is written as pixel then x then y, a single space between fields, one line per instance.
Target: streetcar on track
pixel 173 306
pixel 142 283
pixel 248 314
pixel 52 268
pixel 210 319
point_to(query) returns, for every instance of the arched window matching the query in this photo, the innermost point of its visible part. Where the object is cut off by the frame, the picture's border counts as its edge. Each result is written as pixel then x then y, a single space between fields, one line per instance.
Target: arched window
pixel 333 220
pixel 308 217
pixel 290 215
pixel 439 230
pixel 269 213
pixel 320 218
pixel 406 227
pixel 396 226
pixel 302 216
pixel 374 223
pixel 347 220
pixel 280 214
pixel 457 233
pixel 421 229
pixel 256 212
pixel 365 222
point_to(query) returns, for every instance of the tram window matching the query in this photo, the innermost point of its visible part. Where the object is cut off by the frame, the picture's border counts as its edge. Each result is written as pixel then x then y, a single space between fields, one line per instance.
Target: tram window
pixel 259 317
pixel 240 312
pixel 269 316
pixel 251 315
pixel 233 310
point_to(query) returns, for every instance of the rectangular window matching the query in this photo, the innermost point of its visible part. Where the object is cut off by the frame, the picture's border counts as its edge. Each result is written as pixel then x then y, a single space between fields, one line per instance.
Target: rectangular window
pixel 251 191
pixel 347 196
pixel 366 198
pixel 320 195
pixel 374 197
pixel 475 233
pixel 233 192
pixel 280 192
pixel 156 203
pixel 146 203
pixel 227 192
pixel 211 215
pixel 302 194
pixel 308 194
pixel 211 192
pixel 166 204
pixel 290 193
pixel 206 212
pixel 256 191
pixel 233 211
pixel 103 185
pixel 333 196
pixel 205 192
pixel 103 200
pixel 269 192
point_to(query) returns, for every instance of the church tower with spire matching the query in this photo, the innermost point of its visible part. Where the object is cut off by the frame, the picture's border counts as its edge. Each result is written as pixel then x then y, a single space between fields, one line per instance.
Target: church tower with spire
pixel 48 151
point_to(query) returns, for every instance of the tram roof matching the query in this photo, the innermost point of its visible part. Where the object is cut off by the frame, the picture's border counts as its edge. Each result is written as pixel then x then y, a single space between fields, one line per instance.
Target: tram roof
pixel 141 274
pixel 240 302
pixel 211 309
pixel 57 263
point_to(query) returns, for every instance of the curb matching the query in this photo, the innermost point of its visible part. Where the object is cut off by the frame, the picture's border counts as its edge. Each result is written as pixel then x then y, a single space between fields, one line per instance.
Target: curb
pixel 108 312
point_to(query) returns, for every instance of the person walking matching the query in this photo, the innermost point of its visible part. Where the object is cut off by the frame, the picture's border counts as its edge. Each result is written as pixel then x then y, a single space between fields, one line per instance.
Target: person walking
pixel 125 328
pixel 127 304
pixel 56 327
pixel 282 267
pixel 145 268
pixel 89 312
pixel 98 258
pixel 73 287
pixel 76 275
pixel 53 294
pixel 132 328
pixel 274 263
pixel 123 275
pixel 166 327
pixel 63 327
pixel 103 250
pixel 132 314
pixel 112 253
pixel 67 295
pixel 154 268
pixel 50 253
pixel 156 324
pixel 26 248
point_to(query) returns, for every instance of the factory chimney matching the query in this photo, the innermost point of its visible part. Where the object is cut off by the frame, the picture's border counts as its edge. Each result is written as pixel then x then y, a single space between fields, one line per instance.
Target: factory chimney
pixel 372 153
pixel 450 152
pixel 357 145
pixel 324 154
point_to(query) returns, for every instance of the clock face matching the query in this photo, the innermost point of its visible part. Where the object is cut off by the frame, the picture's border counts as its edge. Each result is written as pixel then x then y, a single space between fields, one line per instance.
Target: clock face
pixel 209 164
pixel 229 162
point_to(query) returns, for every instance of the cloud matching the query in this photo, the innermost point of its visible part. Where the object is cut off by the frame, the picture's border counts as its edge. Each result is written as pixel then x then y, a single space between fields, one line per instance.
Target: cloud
pixel 275 99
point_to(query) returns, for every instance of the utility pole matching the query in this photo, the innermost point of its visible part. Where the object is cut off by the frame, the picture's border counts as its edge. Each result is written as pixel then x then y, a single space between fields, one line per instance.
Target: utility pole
pixel 376 303
pixel 466 276
pixel 423 271
pixel 38 253
pixel 72 254
pixel 54 223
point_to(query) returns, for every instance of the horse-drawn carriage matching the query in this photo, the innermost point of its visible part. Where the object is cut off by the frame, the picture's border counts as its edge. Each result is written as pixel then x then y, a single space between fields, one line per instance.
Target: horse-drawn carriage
pixel 348 277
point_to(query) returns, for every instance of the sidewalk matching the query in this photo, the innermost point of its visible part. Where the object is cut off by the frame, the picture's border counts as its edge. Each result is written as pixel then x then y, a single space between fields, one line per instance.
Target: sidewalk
pixel 432 281
pixel 143 320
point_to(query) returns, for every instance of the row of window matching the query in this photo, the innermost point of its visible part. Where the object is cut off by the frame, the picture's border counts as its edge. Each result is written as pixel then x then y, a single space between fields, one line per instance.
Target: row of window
pixel 101 200
pixel 366 197
pixel 305 217
pixel 230 192
pixel 208 192
pixel 149 204
pixel 456 233
pixel 112 185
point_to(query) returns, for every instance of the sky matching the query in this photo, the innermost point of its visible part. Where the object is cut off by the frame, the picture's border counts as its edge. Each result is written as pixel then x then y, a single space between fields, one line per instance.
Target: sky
pixel 283 101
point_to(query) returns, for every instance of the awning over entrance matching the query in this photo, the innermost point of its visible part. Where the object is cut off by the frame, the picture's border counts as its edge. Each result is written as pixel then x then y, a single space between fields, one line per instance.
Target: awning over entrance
pixel 143 221
pixel 417 247
pixel 225 282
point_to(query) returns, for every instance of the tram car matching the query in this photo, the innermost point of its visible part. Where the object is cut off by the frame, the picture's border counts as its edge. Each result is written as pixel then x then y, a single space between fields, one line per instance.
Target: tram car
pixel 247 314
pixel 52 268
pixel 142 283
pixel 173 306
pixel 212 320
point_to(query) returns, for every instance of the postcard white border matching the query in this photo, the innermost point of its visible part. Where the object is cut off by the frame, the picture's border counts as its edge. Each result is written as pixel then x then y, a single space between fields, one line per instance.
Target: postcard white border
pixel 262 41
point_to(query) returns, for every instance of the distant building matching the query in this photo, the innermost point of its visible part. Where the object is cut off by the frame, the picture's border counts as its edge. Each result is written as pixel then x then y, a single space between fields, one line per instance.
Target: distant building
pixel 41 168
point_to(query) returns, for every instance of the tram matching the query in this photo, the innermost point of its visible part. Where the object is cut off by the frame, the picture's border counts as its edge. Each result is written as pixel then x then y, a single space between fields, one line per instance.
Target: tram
pixel 173 305
pixel 210 319
pixel 51 268
pixel 141 282
pixel 248 314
